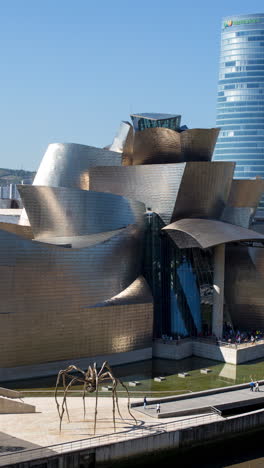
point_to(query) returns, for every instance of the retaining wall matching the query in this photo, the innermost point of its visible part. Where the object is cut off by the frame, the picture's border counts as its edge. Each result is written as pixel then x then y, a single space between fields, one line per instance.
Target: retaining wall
pixel 175 439
pixel 52 368
pixel 185 348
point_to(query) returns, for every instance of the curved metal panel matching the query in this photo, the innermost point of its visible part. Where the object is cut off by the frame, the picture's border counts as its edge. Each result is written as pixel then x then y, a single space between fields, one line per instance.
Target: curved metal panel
pixel 160 145
pixel 45 288
pixel 113 262
pixel 241 216
pixel 246 193
pixel 124 327
pixel 156 146
pixel 257 257
pixel 244 284
pixel 197 144
pixel 66 164
pixel 208 233
pixel 137 293
pixel 243 201
pixel 183 240
pixel 78 242
pixel 173 191
pixel 204 190
pixel 123 142
pixel 155 185
pixel 60 211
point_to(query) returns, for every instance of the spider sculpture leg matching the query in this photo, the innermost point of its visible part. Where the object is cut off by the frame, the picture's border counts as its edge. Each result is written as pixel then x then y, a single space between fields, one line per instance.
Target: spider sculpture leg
pixel 61 375
pixel 66 407
pixel 117 405
pixel 56 391
pixel 113 398
pixel 64 401
pixel 83 396
pixel 96 399
pixel 108 367
pixel 108 375
pixel 88 377
pixel 128 399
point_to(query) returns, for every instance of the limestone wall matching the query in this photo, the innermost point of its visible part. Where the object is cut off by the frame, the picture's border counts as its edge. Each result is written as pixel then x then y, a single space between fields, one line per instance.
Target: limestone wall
pixel 194 347
pixel 172 350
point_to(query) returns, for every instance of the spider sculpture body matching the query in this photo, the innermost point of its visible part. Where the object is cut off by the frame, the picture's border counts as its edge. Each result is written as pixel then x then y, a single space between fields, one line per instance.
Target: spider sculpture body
pixel 90 381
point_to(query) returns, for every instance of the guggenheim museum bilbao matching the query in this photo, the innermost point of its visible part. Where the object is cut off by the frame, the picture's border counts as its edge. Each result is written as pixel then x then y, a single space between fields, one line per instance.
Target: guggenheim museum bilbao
pixel 116 246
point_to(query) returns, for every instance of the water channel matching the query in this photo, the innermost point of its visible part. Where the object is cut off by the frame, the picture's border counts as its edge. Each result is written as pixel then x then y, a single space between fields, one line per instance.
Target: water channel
pixel 240 452
pixel 221 375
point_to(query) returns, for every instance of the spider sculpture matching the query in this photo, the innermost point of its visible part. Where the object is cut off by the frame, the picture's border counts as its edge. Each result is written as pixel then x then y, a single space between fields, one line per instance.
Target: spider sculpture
pixel 90 381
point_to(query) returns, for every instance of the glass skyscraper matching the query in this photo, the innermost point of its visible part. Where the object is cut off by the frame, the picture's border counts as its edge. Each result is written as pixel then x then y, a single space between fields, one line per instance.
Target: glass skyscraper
pixel 240 103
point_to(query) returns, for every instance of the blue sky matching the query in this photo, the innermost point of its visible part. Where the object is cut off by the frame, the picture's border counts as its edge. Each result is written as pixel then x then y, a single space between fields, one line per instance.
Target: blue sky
pixel 73 69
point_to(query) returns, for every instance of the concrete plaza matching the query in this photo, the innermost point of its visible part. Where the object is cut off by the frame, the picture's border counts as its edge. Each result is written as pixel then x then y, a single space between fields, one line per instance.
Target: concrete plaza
pixel 40 430
pixel 225 400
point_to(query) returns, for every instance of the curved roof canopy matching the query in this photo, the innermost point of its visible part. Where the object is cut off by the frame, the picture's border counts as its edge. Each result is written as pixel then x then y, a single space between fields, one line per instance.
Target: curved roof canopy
pixel 204 233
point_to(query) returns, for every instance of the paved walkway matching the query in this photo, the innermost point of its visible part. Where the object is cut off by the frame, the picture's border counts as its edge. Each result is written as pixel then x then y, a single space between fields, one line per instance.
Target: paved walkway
pixel 40 431
pixel 233 398
pixel 12 457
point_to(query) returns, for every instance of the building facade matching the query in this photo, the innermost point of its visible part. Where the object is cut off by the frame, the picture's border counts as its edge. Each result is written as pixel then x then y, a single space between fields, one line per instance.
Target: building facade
pixel 240 102
pixel 117 247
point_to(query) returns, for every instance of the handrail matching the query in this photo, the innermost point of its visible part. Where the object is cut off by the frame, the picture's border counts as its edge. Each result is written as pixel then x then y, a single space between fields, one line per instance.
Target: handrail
pixel 216 411
pixel 96 441
pixel 211 340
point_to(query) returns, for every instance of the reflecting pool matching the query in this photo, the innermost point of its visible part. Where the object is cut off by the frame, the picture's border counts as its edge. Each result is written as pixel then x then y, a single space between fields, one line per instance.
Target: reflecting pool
pixel 221 375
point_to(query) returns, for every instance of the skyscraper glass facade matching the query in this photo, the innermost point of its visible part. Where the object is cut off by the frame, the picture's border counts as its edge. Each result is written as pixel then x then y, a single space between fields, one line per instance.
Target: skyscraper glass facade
pixel 240 103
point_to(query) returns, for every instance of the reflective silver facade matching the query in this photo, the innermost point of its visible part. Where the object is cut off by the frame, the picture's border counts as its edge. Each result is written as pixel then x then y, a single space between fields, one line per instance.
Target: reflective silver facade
pixel 244 281
pixel 72 284
pixel 205 233
pixel 243 201
pixel 60 211
pixel 199 189
pixel 67 164
pixel 161 145
pixel 74 279
pixel 46 289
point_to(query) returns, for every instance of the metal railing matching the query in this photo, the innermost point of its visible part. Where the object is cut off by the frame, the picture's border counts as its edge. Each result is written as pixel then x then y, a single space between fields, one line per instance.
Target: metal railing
pixel 244 344
pixel 216 411
pixel 97 441
pixel 211 340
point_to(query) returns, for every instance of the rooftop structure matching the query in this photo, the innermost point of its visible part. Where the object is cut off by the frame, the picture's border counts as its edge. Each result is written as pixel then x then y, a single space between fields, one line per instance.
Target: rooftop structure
pixel 153 120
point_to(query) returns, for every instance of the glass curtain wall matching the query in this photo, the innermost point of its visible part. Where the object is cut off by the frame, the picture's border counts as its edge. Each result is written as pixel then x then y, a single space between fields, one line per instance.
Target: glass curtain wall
pixel 181 281
pixel 240 103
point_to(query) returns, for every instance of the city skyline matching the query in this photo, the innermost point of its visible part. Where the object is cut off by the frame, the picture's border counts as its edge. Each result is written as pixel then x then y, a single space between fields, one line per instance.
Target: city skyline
pixel 69 73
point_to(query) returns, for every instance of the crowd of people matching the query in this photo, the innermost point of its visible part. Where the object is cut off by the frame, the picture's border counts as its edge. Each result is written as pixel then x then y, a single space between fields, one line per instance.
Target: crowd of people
pixel 230 335
pixel 238 337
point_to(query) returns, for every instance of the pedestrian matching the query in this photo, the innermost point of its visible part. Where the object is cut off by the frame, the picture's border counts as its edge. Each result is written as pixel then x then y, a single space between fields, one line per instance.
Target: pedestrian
pixel 252 385
pixel 145 402
pixel 256 387
pixel 158 408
